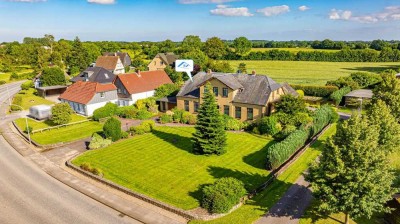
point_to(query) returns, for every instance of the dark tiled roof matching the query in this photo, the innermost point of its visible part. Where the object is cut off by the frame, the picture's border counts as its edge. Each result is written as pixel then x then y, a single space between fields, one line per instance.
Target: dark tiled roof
pixel 83 92
pixel 253 89
pixel 121 55
pixel 96 74
pixel 168 58
pixel 360 93
pixel 287 89
pixel 146 81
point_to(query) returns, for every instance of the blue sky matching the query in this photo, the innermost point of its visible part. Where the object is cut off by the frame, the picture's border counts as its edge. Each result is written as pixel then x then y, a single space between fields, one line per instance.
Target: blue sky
pixel 155 20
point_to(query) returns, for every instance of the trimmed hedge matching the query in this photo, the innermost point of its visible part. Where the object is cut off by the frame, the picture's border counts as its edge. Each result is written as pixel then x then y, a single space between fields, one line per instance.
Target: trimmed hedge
pixel 338 95
pixel 221 196
pixel 320 91
pixel 108 110
pixel 98 142
pixel 26 85
pixel 16 101
pixel 232 124
pixel 112 129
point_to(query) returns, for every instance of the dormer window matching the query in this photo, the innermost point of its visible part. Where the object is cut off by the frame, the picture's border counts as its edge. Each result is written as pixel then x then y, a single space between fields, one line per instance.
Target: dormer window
pixel 106 75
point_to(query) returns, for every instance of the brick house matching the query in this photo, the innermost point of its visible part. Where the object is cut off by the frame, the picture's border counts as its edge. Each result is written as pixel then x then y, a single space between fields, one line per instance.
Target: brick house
pixel 242 96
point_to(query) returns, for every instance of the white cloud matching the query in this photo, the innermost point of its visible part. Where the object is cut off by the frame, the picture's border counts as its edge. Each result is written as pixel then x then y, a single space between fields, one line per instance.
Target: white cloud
pixel 304 8
pixel 28 1
pixel 102 2
pixel 205 1
pixel 274 10
pixel 224 10
pixel 389 13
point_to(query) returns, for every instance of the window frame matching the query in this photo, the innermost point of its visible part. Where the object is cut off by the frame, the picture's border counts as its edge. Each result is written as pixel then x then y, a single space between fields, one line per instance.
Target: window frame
pixel 186 105
pixel 225 110
pixel 196 107
pixel 215 91
pixel 223 92
pixel 252 113
pixel 238 111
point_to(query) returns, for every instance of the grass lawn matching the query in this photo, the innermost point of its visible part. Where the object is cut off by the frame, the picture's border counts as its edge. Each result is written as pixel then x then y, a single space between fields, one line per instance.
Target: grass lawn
pixel 19 70
pixel 310 72
pixel 67 134
pixel 29 99
pixel 260 204
pixel 294 50
pixel 161 164
pixel 35 124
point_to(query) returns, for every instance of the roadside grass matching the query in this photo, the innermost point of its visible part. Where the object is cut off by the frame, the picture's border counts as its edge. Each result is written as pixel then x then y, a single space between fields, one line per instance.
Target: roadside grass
pixel 20 70
pixel 294 50
pixel 256 207
pixel 161 164
pixel 35 124
pixel 29 99
pixel 67 134
pixel 311 72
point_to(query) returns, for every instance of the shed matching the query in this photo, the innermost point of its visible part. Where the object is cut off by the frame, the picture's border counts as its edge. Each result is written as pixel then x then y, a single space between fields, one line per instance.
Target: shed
pixel 167 103
pixel 40 112
pixel 364 94
pixel 51 90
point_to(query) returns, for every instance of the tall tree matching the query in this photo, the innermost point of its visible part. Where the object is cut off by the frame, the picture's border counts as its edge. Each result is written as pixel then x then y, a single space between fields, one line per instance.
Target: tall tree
pixel 167 46
pixel 191 43
pixel 53 76
pixel 215 48
pixel 198 57
pixel 78 60
pixel 389 92
pixel 353 175
pixel 210 136
pixel 241 45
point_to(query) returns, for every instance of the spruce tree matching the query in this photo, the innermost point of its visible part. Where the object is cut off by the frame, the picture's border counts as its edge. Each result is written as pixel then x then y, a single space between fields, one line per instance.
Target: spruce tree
pixel 353 175
pixel 210 136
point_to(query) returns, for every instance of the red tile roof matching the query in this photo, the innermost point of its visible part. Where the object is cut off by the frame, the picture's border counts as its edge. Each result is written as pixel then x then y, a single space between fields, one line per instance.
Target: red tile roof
pixel 83 92
pixel 146 81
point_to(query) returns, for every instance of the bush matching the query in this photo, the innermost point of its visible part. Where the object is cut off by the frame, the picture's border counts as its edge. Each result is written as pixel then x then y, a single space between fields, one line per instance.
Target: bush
pixel 221 196
pixel 166 90
pixel 109 110
pixel 28 129
pixel 2 82
pixel 289 129
pixel 14 76
pixel 53 76
pixel 61 113
pixel 144 127
pixel 290 104
pixel 98 142
pixel 300 92
pixel 337 96
pixel 192 119
pixel 112 129
pixel 232 124
pixel 143 114
pixel 185 117
pixel 177 116
pixel 269 126
pixel 322 117
pixel 89 168
pixel 364 79
pixel 126 112
pixel 321 91
pixel 165 119
pixel 17 101
pixel 26 85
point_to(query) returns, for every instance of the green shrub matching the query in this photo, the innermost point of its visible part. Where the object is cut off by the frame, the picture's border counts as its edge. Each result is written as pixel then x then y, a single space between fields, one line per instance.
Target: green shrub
pixel 322 117
pixel 126 112
pixel 269 125
pixel 16 101
pixel 185 117
pixel 284 133
pixel 177 116
pixel 53 76
pixel 85 166
pixel 98 142
pixel 61 113
pixel 26 85
pixel 321 91
pixel 232 124
pixel 165 119
pixel 124 134
pixel 112 129
pixel 300 92
pixel 148 125
pixel 109 110
pixel 89 168
pixel 143 114
pixel 221 196
pixel 337 96
pixel 192 119
pixel 2 82
pixel 290 104
pixel 28 129
pixel 166 90
pixel 139 130
pixel 365 79
pixel 343 82
pixel 14 76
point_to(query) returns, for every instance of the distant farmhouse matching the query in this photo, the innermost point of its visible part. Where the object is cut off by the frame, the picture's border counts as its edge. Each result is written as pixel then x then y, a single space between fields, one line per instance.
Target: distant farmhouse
pixel 162 60
pixel 124 57
pixel 95 74
pixel 93 90
pixel 111 63
pixel 242 96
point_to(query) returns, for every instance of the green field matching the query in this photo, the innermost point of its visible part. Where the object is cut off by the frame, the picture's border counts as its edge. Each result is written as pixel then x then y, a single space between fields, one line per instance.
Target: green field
pixel 161 164
pixel 19 70
pixel 294 50
pixel 310 72
pixel 260 204
pixel 66 134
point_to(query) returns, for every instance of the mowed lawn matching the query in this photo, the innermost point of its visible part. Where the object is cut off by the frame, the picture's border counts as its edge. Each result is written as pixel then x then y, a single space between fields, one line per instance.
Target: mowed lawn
pixel 161 164
pixel 36 125
pixel 67 134
pixel 310 72
pixel 294 49
pixel 29 99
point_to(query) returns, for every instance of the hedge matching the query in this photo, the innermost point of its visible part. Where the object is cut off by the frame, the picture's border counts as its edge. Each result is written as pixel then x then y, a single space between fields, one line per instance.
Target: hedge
pixel 112 129
pixel 320 91
pixel 279 152
pixel 108 110
pixel 338 95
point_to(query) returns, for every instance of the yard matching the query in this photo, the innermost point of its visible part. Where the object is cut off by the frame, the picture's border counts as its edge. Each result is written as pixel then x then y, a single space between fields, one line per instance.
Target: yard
pixel 35 124
pixel 63 134
pixel 167 170
pixel 309 72
pixel 30 99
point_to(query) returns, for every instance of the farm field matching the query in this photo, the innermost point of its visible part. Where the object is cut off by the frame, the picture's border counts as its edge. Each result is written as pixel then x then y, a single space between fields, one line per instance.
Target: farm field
pixel 66 134
pixel 20 70
pixel 310 72
pixel 294 50
pixel 167 170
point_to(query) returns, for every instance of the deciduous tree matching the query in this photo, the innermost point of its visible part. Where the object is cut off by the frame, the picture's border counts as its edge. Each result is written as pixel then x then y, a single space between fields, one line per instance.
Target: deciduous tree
pixel 242 46
pixel 215 48
pixel 61 113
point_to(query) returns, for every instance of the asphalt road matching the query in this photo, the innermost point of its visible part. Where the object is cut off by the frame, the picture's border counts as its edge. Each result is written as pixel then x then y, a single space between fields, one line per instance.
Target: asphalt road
pixel 28 195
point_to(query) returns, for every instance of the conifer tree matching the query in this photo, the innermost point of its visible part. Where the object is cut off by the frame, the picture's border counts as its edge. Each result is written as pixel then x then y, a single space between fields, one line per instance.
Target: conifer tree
pixel 210 136
pixel 353 175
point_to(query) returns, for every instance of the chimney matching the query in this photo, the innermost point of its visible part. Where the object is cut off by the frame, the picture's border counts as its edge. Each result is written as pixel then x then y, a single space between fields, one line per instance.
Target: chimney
pixel 209 71
pixel 138 73
pixel 253 72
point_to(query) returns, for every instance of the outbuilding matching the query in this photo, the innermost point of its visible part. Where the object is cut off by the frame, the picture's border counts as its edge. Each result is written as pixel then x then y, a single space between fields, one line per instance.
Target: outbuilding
pixel 40 112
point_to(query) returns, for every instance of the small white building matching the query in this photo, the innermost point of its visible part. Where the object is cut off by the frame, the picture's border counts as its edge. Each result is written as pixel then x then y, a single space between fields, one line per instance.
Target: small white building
pixel 40 112
pixel 111 63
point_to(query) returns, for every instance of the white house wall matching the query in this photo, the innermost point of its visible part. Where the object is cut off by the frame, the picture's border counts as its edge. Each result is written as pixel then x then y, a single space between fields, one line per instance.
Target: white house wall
pixel 139 96
pixel 119 68
pixel 90 108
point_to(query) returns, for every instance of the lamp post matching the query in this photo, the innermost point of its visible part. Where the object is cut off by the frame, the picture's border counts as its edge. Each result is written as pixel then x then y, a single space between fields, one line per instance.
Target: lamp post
pixel 360 108
pixel 26 122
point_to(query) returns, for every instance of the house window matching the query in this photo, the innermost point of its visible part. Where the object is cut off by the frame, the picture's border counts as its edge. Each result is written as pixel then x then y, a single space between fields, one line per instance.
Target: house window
pixel 226 110
pixel 186 105
pixel 102 95
pixel 238 112
pixel 161 63
pixel 119 91
pixel 196 106
pixel 215 90
pixel 249 113
pixel 224 92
